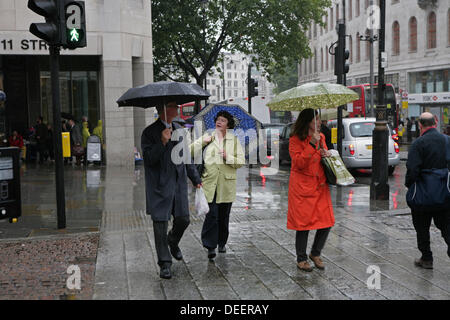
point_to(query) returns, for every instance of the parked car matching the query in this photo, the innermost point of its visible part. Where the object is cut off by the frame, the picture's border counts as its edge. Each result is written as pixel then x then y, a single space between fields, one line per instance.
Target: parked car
pixel 357 143
pixel 284 155
pixel 272 131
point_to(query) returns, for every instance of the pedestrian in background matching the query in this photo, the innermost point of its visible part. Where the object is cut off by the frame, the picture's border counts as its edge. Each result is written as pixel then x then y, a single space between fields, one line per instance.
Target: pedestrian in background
pixel 426 152
pixel 86 134
pixel 76 140
pixel 223 156
pixel 327 133
pixel 309 200
pixel 51 152
pixel 16 140
pixel 41 139
pixel 166 187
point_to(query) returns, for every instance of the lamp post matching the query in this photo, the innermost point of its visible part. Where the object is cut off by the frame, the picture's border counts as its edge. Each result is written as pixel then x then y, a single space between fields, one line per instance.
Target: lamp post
pixel 379 187
pixel 371 38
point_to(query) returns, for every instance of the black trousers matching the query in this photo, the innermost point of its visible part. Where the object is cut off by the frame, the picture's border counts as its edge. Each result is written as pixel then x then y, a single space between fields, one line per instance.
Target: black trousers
pixel 164 239
pixel 215 227
pixel 301 241
pixel 422 223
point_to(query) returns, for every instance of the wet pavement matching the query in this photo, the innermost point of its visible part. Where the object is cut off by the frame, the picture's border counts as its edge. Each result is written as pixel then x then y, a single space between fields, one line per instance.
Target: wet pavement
pixel 260 261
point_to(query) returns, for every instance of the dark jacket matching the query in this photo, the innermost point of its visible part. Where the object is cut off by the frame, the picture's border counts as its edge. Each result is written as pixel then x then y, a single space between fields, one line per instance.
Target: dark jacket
pixel 75 135
pixel 426 152
pixel 165 182
pixel 327 133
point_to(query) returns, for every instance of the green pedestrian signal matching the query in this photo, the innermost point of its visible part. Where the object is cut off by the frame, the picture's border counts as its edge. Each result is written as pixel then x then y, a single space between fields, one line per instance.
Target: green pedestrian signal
pixel 74 24
pixel 75 36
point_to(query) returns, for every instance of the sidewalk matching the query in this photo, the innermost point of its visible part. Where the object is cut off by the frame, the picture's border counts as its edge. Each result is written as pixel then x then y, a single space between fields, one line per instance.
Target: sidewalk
pixel 260 261
pixel 110 238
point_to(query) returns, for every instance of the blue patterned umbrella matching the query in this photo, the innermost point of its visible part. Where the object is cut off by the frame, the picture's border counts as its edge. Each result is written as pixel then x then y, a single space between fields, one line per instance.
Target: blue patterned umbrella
pixel 246 129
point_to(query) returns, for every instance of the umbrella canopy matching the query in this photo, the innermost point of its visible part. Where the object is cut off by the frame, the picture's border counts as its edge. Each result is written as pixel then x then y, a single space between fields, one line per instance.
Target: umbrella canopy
pixel 313 95
pixel 244 122
pixel 331 114
pixel 162 92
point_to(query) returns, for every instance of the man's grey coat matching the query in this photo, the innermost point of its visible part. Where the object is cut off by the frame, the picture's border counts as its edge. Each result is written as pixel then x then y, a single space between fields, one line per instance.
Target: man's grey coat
pixel 165 182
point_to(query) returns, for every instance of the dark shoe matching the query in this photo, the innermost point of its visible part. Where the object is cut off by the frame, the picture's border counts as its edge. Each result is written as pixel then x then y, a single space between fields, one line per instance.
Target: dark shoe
pixel 165 272
pixel 222 249
pixel 211 254
pixel 176 252
pixel 317 262
pixel 423 263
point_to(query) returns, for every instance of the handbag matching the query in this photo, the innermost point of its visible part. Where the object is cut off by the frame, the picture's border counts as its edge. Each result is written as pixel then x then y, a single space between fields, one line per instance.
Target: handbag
pixel 78 150
pixel 432 189
pixel 329 174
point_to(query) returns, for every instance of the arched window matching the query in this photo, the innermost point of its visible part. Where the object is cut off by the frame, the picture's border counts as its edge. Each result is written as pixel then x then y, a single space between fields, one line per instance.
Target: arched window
pixel 395 38
pixel 358 8
pixel 331 19
pixel 358 48
pixel 350 9
pixel 350 48
pixel 431 31
pixel 413 34
pixel 367 46
pixel 321 59
pixel 448 27
pixel 315 60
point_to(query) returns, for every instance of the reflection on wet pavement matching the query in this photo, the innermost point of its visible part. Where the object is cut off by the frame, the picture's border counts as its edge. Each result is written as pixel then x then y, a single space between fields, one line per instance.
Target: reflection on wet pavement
pixel 90 192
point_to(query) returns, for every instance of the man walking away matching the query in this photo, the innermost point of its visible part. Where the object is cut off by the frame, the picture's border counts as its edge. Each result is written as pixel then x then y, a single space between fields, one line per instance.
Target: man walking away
pixel 426 152
pixel 166 187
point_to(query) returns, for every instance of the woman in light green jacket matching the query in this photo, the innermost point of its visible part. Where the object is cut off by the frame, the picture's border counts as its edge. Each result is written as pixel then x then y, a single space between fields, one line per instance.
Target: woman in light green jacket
pixel 223 155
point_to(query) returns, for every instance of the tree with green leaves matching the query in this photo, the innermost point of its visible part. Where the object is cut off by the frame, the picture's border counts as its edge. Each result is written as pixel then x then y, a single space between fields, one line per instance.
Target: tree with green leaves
pixel 189 36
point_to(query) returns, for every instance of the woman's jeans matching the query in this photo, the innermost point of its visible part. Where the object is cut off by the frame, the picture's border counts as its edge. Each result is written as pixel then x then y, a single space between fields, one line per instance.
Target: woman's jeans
pixel 215 227
pixel 301 241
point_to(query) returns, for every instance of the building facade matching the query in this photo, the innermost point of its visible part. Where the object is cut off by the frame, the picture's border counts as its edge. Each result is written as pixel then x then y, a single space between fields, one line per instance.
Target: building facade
pixel 118 56
pixel 417 44
pixel 232 83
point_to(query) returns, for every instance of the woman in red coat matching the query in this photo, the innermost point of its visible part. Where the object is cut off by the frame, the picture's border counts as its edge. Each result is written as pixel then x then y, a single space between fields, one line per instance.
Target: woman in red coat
pixel 309 200
pixel 16 140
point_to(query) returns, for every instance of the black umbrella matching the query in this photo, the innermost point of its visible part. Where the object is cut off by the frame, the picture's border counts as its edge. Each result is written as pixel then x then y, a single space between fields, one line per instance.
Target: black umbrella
pixel 160 93
pixel 67 116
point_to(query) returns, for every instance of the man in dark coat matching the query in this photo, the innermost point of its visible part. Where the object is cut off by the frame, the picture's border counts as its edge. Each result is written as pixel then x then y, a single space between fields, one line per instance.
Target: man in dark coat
pixel 426 152
pixel 166 187
pixel 327 133
pixel 76 139
pixel 41 139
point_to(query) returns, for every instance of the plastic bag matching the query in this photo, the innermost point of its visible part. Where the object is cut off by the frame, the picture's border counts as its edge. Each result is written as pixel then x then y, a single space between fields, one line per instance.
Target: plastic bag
pixel 201 204
pixel 343 177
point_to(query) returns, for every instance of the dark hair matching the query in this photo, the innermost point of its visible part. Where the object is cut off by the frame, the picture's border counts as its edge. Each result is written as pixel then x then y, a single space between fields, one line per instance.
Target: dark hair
pixel 427 122
pixel 301 126
pixel 227 116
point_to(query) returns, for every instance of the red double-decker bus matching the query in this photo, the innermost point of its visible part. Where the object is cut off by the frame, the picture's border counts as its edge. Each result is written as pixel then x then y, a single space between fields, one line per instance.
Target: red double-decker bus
pixel 361 107
pixel 187 110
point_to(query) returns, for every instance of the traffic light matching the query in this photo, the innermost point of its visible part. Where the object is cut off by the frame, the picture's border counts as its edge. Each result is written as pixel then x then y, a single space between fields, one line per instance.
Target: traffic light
pixel 73 24
pixel 65 22
pixel 338 64
pixel 48 31
pixel 253 88
pixel 346 65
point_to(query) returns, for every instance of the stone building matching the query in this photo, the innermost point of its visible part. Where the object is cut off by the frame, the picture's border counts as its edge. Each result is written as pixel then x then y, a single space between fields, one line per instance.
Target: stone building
pixel 417 45
pixel 118 56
